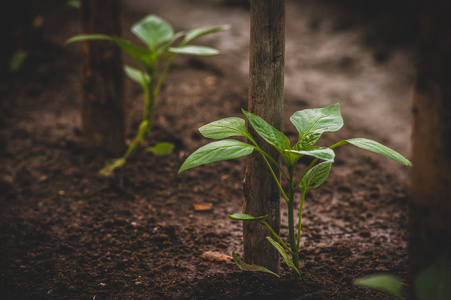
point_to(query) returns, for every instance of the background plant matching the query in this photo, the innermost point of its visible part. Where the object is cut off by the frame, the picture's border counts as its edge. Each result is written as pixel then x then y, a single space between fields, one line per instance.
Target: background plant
pixel 433 283
pixel 311 124
pixel 152 64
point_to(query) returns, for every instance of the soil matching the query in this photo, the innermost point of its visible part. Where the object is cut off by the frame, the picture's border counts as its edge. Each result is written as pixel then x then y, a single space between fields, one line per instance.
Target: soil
pixel 68 233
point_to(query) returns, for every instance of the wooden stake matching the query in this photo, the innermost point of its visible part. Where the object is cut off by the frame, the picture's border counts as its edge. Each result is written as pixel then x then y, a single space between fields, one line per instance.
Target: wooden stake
pixel 430 180
pixel 102 79
pixel 266 83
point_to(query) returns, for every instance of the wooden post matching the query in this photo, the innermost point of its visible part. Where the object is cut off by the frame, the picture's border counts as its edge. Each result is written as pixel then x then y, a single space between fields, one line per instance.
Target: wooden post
pixel 430 180
pixel 102 79
pixel 266 83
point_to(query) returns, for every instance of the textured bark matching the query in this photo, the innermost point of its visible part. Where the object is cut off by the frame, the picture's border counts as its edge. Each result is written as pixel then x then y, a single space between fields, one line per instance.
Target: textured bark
pixel 102 79
pixel 430 180
pixel 266 82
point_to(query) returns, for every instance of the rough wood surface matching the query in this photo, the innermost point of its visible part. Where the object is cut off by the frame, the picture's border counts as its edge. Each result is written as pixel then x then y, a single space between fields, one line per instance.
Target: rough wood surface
pixel 266 83
pixel 102 79
pixel 430 180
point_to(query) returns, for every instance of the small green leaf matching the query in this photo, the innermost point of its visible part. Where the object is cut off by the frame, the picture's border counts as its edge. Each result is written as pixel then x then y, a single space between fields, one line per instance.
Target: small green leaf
pixel 73 4
pixel 252 268
pixel 385 282
pixel 137 75
pixel 307 142
pixel 194 50
pixel 17 60
pixel 375 147
pixel 85 37
pixel 284 254
pixel 224 128
pixel 217 151
pixel 110 166
pixel 435 281
pixel 318 152
pixel 317 120
pixel 271 135
pixel 161 148
pixel 153 30
pixel 196 33
pixel 245 217
pixel 315 176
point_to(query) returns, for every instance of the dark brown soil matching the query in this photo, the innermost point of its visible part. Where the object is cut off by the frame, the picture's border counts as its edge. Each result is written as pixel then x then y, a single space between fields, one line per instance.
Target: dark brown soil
pixel 67 233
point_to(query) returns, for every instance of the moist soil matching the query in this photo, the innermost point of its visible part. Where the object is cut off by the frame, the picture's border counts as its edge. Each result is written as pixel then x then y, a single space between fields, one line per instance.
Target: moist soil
pixel 68 233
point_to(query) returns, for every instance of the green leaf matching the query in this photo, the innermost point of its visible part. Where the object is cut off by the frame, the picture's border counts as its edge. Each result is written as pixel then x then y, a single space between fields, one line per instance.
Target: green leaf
pixel 153 30
pixel 17 60
pixel 165 46
pixel 245 217
pixel 252 268
pixel 435 281
pixel 307 142
pixel 271 135
pixel 196 33
pixel 385 282
pixel 137 75
pixel 318 152
pixel 317 120
pixel 217 151
pixel 284 254
pixel 110 166
pixel 315 176
pixel 133 50
pixel 85 37
pixel 161 148
pixel 73 4
pixel 375 147
pixel 224 128
pixel 194 50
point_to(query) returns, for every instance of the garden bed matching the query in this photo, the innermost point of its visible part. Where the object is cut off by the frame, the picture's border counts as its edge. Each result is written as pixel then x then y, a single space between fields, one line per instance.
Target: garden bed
pixel 67 233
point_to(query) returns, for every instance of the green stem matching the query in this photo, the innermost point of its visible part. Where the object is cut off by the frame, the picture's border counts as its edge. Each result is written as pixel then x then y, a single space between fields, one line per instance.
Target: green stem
pixel 264 155
pixel 276 179
pixel 337 144
pixel 146 123
pixel 294 249
pixel 305 172
pixel 151 111
pixel 144 127
pixel 276 236
pixel 152 95
pixel 146 100
pixel 163 74
pixel 273 161
pixel 301 206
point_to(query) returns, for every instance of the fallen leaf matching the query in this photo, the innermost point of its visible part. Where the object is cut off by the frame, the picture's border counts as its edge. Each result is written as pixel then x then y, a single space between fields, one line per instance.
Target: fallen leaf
pixel 216 256
pixel 203 207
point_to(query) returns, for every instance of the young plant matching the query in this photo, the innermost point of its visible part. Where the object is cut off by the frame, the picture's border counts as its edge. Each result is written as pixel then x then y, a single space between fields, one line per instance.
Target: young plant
pixel 311 124
pixel 152 63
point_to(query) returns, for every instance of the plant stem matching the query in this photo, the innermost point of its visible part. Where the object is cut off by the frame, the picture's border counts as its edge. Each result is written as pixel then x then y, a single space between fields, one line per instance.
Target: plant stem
pixel 276 236
pixel 301 206
pixel 163 74
pixel 273 160
pixel 149 97
pixel 305 172
pixel 284 195
pixel 290 203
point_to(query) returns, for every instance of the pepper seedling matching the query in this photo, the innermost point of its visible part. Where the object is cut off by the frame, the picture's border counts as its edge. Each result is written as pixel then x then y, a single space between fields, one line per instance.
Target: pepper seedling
pixel 152 64
pixel 311 124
